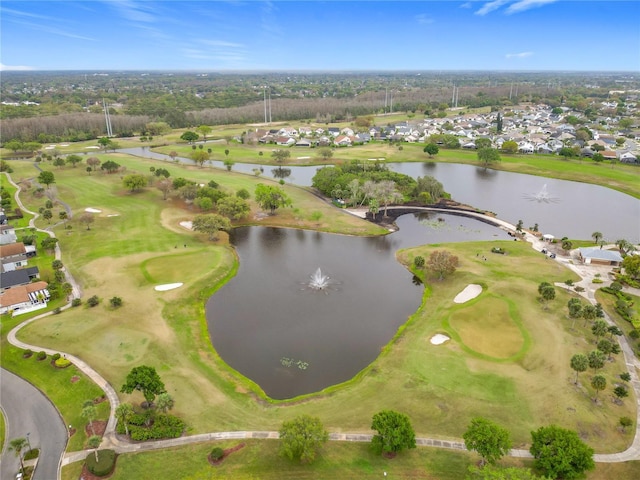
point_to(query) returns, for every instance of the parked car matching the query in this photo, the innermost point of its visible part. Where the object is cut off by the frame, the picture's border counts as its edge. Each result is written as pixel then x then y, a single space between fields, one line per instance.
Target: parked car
pixel 552 255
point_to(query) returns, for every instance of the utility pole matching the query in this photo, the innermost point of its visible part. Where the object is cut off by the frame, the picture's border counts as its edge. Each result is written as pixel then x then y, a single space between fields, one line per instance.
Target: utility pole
pixel 107 118
pixel 264 91
pixel 269 106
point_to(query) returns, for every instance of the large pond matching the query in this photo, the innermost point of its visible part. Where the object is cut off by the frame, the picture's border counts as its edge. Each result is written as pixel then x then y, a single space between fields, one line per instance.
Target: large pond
pixel 559 207
pixel 269 325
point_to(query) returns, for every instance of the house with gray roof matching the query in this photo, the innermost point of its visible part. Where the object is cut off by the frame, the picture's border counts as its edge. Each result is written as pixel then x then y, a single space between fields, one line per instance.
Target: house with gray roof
pixel 598 256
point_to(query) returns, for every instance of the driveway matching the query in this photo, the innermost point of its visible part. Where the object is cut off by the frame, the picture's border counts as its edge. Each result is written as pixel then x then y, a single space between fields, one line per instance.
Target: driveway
pixel 28 410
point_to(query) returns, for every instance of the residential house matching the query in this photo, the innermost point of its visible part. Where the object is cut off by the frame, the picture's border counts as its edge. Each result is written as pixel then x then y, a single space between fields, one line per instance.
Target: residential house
pixel 285 141
pixel 525 147
pixel 15 278
pixel 303 142
pixel 24 298
pixel 13 256
pixel 628 157
pixel 342 141
pixel 7 234
pixel 333 131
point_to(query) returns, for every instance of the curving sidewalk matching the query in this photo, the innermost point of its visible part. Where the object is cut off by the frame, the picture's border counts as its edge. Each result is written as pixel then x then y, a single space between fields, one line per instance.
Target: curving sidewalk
pixel 111 440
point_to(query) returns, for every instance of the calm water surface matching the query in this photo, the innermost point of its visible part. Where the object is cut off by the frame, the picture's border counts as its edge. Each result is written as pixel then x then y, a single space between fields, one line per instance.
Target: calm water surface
pixel 291 340
pixel 571 209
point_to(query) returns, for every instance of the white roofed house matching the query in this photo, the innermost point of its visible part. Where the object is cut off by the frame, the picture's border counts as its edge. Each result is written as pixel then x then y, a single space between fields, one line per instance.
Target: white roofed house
pixel 525 147
pixel 628 157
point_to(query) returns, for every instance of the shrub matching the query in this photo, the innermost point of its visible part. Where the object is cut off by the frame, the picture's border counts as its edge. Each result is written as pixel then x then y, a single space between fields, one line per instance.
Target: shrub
pixel 31 454
pixel 105 464
pixel 76 302
pixel 41 355
pixel 57 311
pixel 93 301
pixel 164 426
pixel 62 363
pixel 115 302
pixel 579 289
pixel 634 334
pixel 597 280
pixel 55 356
pixel 27 353
pixel 217 453
pixel 418 261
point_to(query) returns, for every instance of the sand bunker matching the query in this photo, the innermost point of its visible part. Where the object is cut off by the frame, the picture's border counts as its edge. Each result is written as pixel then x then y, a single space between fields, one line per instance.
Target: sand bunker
pixel 470 292
pixel 439 339
pixel 92 210
pixel 168 286
pixel 114 215
pixel 187 225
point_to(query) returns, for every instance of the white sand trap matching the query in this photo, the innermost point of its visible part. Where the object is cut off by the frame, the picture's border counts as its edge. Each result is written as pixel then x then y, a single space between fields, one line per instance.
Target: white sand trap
pixel 93 147
pixel 168 286
pixel 64 144
pixel 114 215
pixel 92 210
pixel 187 225
pixel 50 147
pixel 304 158
pixel 470 292
pixel 439 339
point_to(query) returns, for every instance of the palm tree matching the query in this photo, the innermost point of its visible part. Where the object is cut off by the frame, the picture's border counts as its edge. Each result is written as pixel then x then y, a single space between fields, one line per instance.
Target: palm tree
pixel 164 402
pixel 18 445
pixel 89 412
pixel 598 382
pixel 596 236
pixel 123 413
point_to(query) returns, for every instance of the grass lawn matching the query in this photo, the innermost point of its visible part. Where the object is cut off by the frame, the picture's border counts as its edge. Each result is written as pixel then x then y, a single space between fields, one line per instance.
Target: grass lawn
pixel 512 368
pixel 260 459
pixel 68 388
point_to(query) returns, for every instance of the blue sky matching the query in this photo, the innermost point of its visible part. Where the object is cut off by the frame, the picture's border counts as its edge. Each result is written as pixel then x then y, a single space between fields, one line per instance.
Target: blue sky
pixel 320 35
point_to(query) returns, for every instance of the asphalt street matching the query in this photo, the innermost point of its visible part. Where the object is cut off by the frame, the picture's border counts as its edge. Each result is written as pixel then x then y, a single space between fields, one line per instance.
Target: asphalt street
pixel 28 411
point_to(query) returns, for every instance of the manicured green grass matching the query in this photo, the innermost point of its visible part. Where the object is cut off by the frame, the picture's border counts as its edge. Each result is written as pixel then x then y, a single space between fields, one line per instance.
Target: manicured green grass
pixel 439 387
pixel 478 325
pixel 67 395
pixel 260 459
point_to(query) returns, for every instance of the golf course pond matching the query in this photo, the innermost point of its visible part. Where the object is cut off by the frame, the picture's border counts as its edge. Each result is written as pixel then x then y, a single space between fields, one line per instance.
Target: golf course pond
pixel 273 324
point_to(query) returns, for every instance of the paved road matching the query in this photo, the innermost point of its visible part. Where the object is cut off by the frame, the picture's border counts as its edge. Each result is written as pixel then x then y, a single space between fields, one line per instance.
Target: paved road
pixel 28 410
pixel 111 440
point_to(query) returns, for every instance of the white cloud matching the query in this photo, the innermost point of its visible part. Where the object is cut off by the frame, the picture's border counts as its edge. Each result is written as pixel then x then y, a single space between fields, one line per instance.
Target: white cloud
pixel 7 68
pixel 55 31
pixel 424 19
pixel 522 5
pixel 466 5
pixel 490 7
pixel 135 11
pixel 519 55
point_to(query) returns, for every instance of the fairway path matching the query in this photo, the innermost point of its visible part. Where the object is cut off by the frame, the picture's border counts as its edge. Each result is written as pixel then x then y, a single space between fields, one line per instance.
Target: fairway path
pixel 122 445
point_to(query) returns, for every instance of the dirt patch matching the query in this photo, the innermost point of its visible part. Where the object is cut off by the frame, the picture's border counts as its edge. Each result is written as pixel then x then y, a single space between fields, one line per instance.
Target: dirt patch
pixel 72 432
pixel 99 426
pixel 75 379
pixel 227 452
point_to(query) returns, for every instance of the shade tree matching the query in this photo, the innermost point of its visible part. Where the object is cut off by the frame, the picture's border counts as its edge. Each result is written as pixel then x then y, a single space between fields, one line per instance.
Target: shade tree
pixel 395 432
pixel 442 263
pixel 301 438
pixel 144 379
pixel 211 224
pixel 271 198
pixel 560 453
pixel 490 440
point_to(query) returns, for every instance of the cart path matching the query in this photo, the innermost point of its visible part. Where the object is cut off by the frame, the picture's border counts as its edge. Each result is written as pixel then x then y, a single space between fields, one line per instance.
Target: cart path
pixel 111 440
